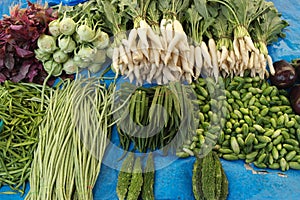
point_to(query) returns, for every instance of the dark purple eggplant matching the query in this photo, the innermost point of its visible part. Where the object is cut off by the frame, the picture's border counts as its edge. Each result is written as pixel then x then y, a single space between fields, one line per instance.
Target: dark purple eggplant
pixel 285 75
pixel 295 98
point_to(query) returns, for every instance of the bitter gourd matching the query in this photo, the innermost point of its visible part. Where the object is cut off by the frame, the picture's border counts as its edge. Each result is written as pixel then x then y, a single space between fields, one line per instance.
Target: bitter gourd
pixel 209 179
pixel 147 192
pixel 136 181
pixel 124 177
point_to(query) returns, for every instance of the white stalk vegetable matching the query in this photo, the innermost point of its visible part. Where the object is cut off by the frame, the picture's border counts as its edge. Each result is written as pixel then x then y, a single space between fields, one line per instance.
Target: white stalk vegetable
pixel 163 33
pixel 115 61
pixel 205 54
pixel 169 31
pixel 250 44
pixel 198 61
pixel 270 64
pixel 224 54
pixel 244 52
pixel 131 38
pixel 152 72
pixel 185 63
pixel 175 55
pixel 251 60
pixel 168 75
pixel 178 38
pixel 188 77
pixel 144 45
pixel 191 57
pixel 236 49
pixel 214 58
pixel 123 55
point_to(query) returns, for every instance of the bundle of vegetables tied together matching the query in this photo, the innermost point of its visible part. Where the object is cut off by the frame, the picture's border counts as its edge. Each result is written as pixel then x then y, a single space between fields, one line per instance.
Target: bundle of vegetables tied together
pixel 75 41
pixel 178 40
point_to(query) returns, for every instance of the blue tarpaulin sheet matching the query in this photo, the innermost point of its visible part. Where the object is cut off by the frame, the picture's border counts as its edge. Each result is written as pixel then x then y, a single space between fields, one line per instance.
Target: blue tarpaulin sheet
pixel 173 180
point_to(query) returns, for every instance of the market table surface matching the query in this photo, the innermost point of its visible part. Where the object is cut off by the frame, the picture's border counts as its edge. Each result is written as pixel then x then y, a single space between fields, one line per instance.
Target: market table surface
pixel 245 182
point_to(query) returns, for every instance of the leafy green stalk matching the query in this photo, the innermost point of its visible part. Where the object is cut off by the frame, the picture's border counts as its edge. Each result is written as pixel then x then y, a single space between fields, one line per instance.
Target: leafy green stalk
pixel 267 29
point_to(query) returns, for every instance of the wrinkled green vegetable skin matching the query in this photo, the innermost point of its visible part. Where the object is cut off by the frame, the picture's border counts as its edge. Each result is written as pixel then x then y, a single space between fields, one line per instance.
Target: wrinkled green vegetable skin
pixel 147 191
pixel 136 181
pixel 209 180
pixel 125 177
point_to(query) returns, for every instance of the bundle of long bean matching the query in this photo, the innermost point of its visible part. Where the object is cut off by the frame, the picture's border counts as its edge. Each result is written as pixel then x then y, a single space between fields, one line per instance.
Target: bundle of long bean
pixel 20 111
pixel 72 141
pixel 154 118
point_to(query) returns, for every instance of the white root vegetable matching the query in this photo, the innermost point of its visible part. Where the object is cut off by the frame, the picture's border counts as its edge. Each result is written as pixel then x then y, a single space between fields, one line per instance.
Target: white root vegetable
pixel 251 60
pixel 175 55
pixel 131 76
pixel 244 52
pixel 115 61
pixel 123 55
pixel 169 31
pixel 185 64
pixel 179 39
pixel 205 54
pixel 168 74
pixel 191 57
pixel 137 55
pixel 188 77
pixel 219 57
pixel 236 49
pixel 131 38
pixel 151 55
pixel 270 64
pixel 137 74
pixel 174 68
pixel 224 54
pixel 262 61
pixel 214 57
pixel 159 79
pixel 163 33
pixel 158 71
pixel 250 44
pixel 152 72
pixel 127 50
pixel 154 38
pixel 224 67
pixel 143 49
pixel 198 61
pixel 257 64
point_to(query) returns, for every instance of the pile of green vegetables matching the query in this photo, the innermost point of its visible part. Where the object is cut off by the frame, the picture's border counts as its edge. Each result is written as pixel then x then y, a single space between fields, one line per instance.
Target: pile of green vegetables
pixel 72 141
pixel 256 123
pixel 178 40
pixel 76 40
pixel 133 181
pixel 57 137
pixel 21 113
pixel 160 117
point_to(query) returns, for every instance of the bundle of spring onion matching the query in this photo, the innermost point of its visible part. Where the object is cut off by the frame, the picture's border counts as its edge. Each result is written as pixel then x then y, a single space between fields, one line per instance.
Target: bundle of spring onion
pixel 73 137
pixel 21 114
pixel 180 40
pixel 75 40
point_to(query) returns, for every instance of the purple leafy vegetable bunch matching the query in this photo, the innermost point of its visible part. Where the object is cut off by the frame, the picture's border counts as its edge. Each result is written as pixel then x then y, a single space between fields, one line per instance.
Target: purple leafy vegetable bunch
pixel 19 33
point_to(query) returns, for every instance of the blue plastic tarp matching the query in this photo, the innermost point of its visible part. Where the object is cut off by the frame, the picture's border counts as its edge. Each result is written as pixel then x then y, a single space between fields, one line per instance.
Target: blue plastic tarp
pixel 173 178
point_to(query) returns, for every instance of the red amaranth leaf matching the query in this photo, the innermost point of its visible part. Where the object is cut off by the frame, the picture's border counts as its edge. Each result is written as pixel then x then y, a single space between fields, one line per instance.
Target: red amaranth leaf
pixel 23 53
